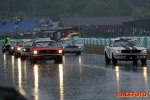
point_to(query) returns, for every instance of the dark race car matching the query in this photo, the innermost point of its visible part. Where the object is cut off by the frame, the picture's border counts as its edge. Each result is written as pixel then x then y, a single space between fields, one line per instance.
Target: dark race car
pixel 25 49
pixel 45 50
pixel 18 47
pixel 11 49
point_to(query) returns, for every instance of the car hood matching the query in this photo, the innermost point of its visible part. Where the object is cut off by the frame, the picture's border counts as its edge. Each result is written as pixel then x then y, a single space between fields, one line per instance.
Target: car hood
pixel 47 48
pixel 27 47
pixel 72 45
pixel 130 48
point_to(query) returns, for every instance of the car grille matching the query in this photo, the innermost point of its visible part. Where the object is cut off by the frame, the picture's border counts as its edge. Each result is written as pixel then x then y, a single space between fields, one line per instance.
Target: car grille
pixel 131 51
pixel 48 51
pixel 72 47
pixel 27 50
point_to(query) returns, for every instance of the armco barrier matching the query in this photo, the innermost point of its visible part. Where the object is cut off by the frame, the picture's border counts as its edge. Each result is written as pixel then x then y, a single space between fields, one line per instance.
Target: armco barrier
pixel 144 41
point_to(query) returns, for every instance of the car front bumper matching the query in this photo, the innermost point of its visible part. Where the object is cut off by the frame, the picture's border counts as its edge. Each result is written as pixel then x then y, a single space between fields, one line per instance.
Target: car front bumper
pixel 71 50
pixel 47 57
pixel 27 54
pixel 130 57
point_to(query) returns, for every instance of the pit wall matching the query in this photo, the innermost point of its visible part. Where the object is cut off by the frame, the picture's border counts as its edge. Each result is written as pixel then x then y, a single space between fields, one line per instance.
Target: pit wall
pixel 144 41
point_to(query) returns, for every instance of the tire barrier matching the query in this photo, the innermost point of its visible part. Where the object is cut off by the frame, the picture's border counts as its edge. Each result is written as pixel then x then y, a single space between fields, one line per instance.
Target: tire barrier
pixel 144 41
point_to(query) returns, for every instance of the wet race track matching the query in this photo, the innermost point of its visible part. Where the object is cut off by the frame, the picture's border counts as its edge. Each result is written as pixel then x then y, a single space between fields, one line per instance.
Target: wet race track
pixel 84 77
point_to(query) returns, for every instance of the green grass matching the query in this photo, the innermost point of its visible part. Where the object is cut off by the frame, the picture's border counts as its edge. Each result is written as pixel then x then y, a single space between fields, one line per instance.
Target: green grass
pixel 94 49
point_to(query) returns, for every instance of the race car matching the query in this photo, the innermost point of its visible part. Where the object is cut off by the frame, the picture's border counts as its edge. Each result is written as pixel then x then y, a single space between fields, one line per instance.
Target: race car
pixel 45 50
pixel 72 46
pixel 11 49
pixel 17 48
pixel 25 49
pixel 125 49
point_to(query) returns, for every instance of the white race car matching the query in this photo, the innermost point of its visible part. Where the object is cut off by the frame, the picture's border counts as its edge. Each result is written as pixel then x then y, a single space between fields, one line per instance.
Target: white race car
pixel 72 46
pixel 125 50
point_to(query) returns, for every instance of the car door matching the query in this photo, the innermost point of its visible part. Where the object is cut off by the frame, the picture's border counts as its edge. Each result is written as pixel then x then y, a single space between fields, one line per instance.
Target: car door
pixel 31 49
pixel 109 51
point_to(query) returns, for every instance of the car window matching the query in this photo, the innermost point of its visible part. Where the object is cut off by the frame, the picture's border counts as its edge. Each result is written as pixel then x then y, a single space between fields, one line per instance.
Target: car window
pixel 46 44
pixel 72 42
pixel 20 43
pixel 28 43
pixel 13 43
pixel 110 44
pixel 130 43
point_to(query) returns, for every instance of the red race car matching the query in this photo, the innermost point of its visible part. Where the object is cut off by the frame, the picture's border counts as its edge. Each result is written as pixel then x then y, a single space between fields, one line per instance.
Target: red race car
pixel 45 50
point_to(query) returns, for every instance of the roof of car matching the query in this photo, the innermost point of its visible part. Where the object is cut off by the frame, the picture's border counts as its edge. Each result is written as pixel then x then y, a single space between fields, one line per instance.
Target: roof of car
pixel 123 39
pixel 45 40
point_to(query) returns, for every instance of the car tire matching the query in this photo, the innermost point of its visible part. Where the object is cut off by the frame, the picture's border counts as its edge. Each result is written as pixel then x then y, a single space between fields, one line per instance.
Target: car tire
pixel 22 57
pixel 143 61
pixel 34 60
pixel 58 60
pixel 79 53
pixel 107 59
pixel 3 51
pixel 11 53
pixel 135 61
pixel 16 55
pixel 114 61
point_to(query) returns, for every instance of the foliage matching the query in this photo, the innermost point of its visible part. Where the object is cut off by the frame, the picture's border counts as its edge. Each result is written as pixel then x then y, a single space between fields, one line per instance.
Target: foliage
pixel 78 8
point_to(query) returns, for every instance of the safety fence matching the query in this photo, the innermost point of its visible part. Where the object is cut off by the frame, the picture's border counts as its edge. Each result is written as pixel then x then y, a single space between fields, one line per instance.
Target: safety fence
pixel 2 41
pixel 144 41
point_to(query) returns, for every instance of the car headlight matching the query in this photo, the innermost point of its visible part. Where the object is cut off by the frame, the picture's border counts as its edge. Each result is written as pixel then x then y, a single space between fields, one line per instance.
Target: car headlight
pixel 35 52
pixel 12 47
pixel 116 51
pixel 63 47
pixel 18 48
pixel 144 51
pixel 60 51
pixel 79 47
pixel 24 49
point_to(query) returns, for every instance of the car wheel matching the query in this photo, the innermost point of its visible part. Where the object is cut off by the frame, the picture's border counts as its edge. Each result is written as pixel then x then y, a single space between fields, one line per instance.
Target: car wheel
pixel 79 52
pixel 22 57
pixel 143 61
pixel 135 61
pixel 11 53
pixel 34 60
pixel 58 60
pixel 16 55
pixel 114 61
pixel 107 59
pixel 3 51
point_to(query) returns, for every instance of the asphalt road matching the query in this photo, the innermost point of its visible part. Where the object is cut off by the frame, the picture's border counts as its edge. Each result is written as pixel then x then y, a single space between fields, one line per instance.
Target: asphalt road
pixel 84 77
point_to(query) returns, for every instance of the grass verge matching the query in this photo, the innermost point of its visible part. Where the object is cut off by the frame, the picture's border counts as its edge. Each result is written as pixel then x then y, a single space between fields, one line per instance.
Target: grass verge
pixel 94 49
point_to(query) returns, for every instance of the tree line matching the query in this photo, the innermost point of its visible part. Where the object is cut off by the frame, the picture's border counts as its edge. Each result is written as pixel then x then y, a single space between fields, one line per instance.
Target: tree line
pixel 135 9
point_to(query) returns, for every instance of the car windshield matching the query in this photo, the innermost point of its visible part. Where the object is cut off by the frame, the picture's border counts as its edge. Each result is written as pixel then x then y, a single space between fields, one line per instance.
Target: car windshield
pixel 20 43
pixel 28 43
pixel 46 44
pixel 72 42
pixel 130 43
pixel 13 42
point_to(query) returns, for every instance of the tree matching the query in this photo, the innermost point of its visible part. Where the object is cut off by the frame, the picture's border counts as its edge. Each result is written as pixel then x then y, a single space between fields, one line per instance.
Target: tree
pixel 88 11
pixel 101 9
pixel 125 7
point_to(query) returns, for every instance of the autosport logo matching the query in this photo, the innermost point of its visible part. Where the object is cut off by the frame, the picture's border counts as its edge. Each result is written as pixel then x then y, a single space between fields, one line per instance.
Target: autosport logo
pixel 131 94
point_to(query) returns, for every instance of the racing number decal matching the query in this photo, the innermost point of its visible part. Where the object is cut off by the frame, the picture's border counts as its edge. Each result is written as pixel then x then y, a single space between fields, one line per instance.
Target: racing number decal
pixel 108 52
